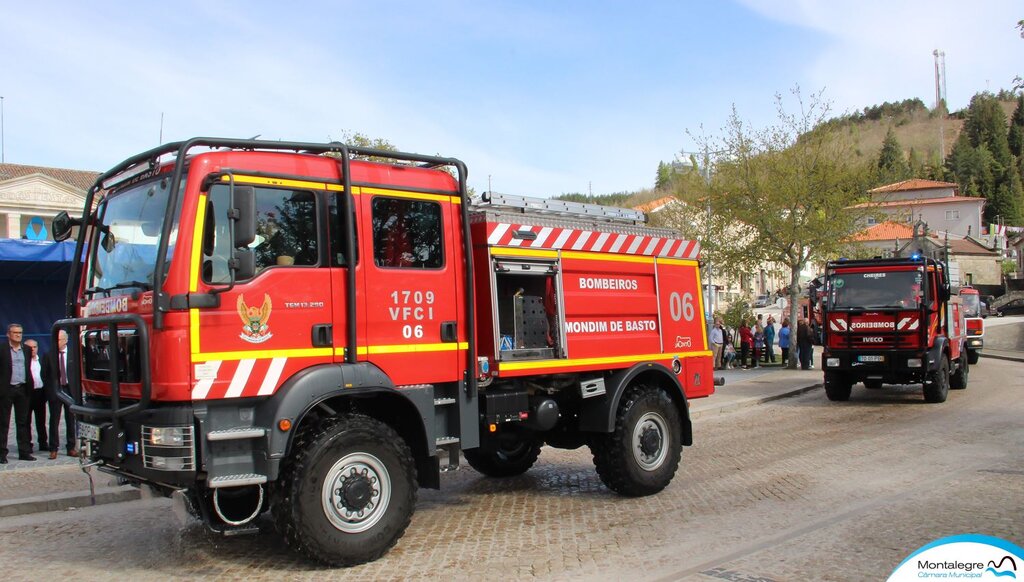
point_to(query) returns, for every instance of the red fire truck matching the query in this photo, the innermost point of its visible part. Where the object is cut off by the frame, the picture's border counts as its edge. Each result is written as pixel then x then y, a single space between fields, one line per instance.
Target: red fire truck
pixel 317 329
pixel 975 324
pixel 892 321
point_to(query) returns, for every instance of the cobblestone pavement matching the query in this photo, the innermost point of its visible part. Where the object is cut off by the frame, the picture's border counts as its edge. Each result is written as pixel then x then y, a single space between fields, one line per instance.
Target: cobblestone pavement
pixel 797 489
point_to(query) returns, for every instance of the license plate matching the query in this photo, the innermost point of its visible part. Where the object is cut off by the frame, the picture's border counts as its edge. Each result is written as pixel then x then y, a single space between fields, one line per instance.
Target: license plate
pixel 870 358
pixel 88 431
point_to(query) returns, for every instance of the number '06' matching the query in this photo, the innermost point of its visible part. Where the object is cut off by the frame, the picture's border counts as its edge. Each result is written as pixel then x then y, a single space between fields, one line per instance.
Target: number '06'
pixel 412 331
pixel 681 307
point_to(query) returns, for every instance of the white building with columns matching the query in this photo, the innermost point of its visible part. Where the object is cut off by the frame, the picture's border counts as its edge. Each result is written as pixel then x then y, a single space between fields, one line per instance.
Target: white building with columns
pixel 30 196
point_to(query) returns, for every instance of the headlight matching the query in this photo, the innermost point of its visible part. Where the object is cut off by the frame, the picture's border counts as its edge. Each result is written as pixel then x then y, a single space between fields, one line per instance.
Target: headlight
pixel 832 362
pixel 168 436
pixel 913 362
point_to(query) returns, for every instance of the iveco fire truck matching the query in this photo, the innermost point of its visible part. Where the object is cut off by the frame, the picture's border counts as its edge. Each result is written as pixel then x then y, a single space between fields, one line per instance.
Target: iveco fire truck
pixel 892 321
pixel 975 324
pixel 316 329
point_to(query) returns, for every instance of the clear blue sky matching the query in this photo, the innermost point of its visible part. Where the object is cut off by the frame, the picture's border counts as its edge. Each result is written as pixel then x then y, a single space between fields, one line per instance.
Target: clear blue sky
pixel 545 97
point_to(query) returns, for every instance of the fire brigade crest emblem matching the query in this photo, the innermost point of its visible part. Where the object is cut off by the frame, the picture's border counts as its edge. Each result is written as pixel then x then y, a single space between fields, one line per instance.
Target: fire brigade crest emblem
pixel 254 320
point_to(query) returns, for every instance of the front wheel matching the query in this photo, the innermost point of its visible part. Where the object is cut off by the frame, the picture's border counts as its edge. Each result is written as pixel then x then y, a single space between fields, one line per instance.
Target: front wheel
pixel 349 493
pixel 958 381
pixel 641 455
pixel 837 387
pixel 937 389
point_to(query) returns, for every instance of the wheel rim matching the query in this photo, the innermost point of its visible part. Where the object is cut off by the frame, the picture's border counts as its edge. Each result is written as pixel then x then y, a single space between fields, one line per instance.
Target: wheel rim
pixel 650 446
pixel 356 492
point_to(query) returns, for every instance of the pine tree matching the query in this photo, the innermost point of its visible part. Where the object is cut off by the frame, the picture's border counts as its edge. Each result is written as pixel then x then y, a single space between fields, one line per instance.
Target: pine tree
pixel 986 124
pixel 891 165
pixel 1015 137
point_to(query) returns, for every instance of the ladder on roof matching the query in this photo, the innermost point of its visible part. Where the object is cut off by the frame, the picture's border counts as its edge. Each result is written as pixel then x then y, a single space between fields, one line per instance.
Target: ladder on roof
pixel 547 206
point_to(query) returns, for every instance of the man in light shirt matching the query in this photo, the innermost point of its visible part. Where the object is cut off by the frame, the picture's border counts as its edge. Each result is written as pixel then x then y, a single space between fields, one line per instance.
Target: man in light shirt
pixel 717 339
pixel 15 384
pixel 37 401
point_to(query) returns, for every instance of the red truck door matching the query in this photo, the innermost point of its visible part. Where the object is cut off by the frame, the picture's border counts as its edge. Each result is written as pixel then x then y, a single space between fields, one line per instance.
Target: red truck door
pixel 412 285
pixel 264 329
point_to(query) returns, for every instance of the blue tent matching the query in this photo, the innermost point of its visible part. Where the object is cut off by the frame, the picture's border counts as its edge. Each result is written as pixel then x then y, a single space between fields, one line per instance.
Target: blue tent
pixel 33 278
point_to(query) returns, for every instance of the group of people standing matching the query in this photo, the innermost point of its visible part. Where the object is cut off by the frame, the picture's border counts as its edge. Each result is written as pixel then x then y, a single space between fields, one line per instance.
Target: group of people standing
pixel 756 343
pixel 29 384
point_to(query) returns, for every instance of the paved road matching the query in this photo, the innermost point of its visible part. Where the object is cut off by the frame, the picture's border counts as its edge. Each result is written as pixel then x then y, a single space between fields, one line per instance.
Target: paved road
pixel 797 489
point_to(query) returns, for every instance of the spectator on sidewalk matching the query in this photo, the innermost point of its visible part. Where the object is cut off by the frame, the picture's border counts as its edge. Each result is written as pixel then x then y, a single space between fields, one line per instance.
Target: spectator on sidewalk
pixel 758 344
pixel 746 342
pixel 717 342
pixel 803 344
pixel 15 387
pixel 769 340
pixel 55 376
pixel 37 401
pixel 784 341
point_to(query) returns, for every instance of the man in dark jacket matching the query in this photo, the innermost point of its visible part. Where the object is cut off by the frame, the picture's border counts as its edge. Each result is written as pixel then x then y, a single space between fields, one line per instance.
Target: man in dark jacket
pixel 55 376
pixel 15 391
pixel 803 344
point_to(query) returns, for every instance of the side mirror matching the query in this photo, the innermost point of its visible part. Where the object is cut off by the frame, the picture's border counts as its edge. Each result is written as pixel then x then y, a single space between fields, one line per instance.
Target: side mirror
pixel 61 226
pixel 243 212
pixel 243 262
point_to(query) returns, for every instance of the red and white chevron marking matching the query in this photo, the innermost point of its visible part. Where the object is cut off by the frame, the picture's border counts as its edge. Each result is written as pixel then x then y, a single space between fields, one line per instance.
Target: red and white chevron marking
pixel 239 379
pixel 547 237
pixel 909 323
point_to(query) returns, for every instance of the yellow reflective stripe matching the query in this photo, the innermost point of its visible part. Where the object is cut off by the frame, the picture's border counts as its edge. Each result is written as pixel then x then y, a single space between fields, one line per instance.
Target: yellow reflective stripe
pixel 404 194
pixel 518 252
pixel 193 330
pixel 550 364
pixel 264 354
pixel 589 256
pixel 677 262
pixel 193 278
pixel 700 301
pixel 405 349
pixel 265 181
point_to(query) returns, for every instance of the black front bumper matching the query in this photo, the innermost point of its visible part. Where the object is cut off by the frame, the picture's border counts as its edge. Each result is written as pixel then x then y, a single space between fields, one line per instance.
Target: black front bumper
pixel 862 365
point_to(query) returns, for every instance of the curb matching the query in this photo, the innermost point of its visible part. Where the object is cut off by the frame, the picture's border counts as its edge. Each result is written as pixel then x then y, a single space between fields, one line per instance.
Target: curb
pixel 63 501
pixel 1003 357
pixel 752 401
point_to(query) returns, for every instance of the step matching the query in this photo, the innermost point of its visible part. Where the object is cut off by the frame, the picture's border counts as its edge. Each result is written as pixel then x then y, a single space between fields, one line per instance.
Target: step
pixel 446 440
pixel 231 434
pixel 237 480
pixel 443 401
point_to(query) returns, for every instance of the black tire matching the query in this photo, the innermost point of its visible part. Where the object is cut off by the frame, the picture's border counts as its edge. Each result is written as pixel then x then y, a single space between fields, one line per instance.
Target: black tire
pixel 937 390
pixel 642 454
pixel 973 356
pixel 348 493
pixel 506 454
pixel 958 381
pixel 872 384
pixel 837 387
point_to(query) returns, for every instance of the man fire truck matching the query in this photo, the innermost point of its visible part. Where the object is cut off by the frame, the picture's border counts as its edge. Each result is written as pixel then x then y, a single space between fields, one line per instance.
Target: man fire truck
pixel 304 328
pixel 975 324
pixel 892 321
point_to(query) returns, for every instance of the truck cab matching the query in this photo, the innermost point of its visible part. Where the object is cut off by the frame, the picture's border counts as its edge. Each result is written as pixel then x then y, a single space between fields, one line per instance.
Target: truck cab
pixel 892 321
pixel 975 311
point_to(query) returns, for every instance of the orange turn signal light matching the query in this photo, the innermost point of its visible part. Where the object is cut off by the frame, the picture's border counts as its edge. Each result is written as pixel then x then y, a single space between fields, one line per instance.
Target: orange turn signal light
pixel 284 425
pixel 493 428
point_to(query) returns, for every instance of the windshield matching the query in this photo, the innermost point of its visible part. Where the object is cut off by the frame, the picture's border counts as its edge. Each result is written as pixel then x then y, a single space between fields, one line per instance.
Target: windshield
pixel 126 237
pixel 879 290
pixel 972 305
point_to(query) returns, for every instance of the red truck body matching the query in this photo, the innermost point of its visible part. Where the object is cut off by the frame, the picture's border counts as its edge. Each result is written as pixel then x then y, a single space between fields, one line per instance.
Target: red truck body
pixel 975 323
pixel 892 321
pixel 312 327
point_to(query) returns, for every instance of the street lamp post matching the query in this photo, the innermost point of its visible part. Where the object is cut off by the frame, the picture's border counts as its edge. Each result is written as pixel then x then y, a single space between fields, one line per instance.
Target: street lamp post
pixel 3 156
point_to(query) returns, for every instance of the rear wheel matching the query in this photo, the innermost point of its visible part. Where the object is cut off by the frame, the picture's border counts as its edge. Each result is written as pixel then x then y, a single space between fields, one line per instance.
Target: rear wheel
pixel 958 381
pixel 938 389
pixel 349 493
pixel 642 454
pixel 505 454
pixel 837 387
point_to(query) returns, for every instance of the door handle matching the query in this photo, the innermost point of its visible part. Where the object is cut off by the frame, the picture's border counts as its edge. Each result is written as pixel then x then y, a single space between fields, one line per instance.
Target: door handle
pixel 323 335
pixel 449 331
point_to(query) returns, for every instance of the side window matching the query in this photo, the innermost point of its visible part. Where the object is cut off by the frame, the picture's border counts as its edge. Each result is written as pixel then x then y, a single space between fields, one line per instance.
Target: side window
pixel 407 234
pixel 286 231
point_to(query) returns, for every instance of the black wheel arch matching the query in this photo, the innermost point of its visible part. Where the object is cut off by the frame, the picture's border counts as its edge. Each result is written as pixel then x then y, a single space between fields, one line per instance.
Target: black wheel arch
pixel 598 414
pixel 937 352
pixel 331 389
